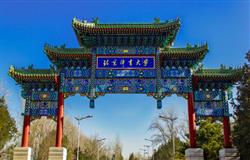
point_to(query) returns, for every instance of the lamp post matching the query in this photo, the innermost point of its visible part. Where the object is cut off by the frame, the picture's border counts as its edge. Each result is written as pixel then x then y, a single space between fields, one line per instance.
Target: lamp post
pixel 98 148
pixel 152 145
pixel 171 119
pixel 78 139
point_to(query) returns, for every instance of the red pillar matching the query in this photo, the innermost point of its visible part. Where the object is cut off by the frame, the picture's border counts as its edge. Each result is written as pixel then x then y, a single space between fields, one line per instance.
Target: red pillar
pixel 191 120
pixel 26 131
pixel 60 115
pixel 227 132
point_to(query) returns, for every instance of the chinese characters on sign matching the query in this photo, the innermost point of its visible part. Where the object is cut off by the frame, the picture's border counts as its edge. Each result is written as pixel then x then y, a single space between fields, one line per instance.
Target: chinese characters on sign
pixel 125 62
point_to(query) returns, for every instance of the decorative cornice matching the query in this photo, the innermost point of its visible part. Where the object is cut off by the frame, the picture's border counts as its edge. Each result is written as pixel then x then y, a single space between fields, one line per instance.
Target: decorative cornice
pixel 222 74
pixel 32 75
pixel 58 53
pixel 195 52
pixel 165 32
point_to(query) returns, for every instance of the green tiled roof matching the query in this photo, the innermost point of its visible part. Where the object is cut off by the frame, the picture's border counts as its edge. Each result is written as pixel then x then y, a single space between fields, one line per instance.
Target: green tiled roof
pixel 57 53
pixel 62 50
pixel 195 52
pixel 222 73
pixel 31 74
pixel 128 25
pixel 163 33
pixel 218 72
pixel 198 52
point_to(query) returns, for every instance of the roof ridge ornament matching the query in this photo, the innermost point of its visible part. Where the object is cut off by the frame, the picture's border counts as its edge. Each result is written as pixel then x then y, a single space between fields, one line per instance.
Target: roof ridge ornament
pixel 200 67
pixel 88 24
pixel 95 20
pixel 52 67
pixel 157 20
pixel 223 67
pixel 30 67
pixel 63 46
pixel 12 69
pixel 189 45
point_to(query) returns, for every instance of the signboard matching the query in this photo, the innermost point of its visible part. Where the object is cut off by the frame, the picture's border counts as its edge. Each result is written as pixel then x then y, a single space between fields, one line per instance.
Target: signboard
pixel 125 62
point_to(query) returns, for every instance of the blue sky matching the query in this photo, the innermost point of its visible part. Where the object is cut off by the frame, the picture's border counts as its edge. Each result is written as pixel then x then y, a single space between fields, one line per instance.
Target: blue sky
pixel 26 25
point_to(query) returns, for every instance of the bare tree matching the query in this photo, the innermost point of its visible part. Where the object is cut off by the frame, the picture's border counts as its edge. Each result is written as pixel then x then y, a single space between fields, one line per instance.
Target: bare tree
pixel 183 128
pixel 40 129
pixel 160 135
pixel 42 136
pixel 163 128
pixel 117 149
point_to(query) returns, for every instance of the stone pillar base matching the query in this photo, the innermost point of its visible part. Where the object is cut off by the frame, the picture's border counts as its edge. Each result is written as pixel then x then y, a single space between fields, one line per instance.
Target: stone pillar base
pixel 229 154
pixel 194 154
pixel 22 153
pixel 57 153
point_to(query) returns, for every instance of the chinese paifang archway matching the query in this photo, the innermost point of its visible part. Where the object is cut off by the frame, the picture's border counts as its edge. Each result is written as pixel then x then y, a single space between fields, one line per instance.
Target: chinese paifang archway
pixel 126 58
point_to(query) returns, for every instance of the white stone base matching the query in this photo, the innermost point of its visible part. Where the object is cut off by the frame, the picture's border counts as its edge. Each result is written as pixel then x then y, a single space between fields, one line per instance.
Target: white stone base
pixel 194 154
pixel 229 154
pixel 57 153
pixel 22 153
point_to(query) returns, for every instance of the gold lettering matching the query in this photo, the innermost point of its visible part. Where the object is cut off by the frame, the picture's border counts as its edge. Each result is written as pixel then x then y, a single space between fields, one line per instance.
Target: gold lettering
pixel 130 62
pixel 105 62
pixel 114 62
pixel 145 62
pixel 138 62
pixel 122 62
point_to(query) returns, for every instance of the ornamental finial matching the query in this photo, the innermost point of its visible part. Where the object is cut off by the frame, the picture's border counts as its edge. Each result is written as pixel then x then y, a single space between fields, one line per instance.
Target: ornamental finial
pixel 248 56
pixel 95 20
pixel 222 67
pixel 30 67
pixel 200 67
pixel 157 20
pixel 52 67
pixel 189 45
pixel 63 46
pixel 12 69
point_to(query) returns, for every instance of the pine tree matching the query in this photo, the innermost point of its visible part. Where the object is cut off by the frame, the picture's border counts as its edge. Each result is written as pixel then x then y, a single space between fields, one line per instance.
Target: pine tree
pixel 165 151
pixel 241 133
pixel 210 138
pixel 8 129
